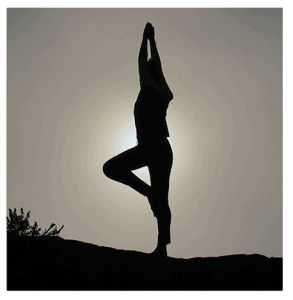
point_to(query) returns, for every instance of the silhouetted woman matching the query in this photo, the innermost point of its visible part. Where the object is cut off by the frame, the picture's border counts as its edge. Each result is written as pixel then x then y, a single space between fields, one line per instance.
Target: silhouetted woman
pixel 153 148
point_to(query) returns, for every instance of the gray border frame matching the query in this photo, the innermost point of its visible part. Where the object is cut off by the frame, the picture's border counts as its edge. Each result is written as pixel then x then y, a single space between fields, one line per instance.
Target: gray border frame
pixel 287 204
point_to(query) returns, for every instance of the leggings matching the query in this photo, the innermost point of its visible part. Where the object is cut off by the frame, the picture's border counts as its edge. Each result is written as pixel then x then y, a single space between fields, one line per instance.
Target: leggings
pixel 157 155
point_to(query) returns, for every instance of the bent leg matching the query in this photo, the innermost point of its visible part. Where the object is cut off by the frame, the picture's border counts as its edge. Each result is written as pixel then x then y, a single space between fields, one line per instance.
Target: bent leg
pixel 119 169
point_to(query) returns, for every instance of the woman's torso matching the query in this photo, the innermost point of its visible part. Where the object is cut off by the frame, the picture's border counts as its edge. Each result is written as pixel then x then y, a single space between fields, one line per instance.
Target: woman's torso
pixel 150 112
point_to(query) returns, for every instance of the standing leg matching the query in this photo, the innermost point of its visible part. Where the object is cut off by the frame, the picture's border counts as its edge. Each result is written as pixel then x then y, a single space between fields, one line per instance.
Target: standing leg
pixel 160 170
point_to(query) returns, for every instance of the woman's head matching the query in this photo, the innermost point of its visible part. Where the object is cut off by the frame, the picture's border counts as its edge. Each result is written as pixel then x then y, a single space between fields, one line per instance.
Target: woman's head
pixel 153 68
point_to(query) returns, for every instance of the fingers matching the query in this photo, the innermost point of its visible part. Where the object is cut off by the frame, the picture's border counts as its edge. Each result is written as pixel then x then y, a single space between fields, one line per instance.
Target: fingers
pixel 149 30
pixel 149 25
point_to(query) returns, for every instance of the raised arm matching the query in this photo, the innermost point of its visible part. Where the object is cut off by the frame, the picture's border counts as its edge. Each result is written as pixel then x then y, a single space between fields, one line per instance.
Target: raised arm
pixel 154 52
pixel 143 52
pixel 163 86
pixel 143 56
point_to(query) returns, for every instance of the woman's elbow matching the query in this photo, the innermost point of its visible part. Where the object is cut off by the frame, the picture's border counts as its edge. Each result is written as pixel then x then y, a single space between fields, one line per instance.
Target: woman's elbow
pixel 168 97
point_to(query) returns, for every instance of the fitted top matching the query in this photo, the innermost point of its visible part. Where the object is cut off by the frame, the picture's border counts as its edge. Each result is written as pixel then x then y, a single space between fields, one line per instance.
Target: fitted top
pixel 150 111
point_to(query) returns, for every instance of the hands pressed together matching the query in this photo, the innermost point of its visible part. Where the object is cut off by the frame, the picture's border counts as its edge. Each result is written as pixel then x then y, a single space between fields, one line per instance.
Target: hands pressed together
pixel 149 31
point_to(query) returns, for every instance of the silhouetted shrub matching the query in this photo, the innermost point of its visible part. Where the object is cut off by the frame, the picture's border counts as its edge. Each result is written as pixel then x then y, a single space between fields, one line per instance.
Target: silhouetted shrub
pixel 19 225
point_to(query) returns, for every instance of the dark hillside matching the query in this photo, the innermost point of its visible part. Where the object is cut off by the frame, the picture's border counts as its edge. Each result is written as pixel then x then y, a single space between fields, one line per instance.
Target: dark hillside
pixel 53 263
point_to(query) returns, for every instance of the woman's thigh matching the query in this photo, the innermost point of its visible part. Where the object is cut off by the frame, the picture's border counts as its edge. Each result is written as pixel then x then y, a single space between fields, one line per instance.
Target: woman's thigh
pixel 157 156
pixel 128 160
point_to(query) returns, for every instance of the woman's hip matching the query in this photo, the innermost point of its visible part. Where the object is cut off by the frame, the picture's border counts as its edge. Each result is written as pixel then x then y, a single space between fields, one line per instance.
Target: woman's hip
pixel 157 150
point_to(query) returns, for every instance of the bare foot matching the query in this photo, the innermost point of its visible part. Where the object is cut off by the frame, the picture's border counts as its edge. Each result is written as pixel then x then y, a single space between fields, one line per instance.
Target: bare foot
pixel 160 251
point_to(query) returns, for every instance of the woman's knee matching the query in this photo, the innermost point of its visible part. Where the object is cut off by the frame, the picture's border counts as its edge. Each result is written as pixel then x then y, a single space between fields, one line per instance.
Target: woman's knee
pixel 108 169
pixel 163 210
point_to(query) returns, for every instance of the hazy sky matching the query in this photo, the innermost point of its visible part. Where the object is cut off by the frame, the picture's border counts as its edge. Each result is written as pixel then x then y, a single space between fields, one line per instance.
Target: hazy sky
pixel 72 84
